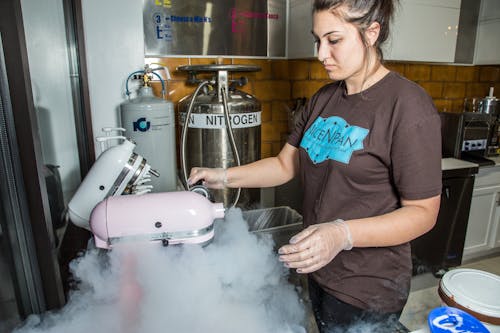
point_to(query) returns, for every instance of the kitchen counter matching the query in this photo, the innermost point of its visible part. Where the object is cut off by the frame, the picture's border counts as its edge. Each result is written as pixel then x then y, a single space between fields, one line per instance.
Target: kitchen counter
pixel 451 163
pixel 456 168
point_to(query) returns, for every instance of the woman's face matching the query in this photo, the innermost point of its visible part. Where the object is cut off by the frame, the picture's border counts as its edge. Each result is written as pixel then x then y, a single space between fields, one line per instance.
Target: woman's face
pixel 339 46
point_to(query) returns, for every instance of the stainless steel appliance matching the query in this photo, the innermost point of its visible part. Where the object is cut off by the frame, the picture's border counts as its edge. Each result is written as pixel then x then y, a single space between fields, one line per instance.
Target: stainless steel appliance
pixel 493 143
pixel 493 148
pixel 489 105
pixel 465 136
pixel 443 246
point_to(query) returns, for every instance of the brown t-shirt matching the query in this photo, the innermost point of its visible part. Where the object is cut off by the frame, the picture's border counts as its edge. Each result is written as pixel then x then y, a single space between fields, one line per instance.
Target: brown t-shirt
pixel 360 155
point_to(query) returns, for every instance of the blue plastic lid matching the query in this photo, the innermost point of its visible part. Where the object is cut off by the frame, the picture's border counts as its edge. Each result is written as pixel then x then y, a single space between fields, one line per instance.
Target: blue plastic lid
pixel 447 320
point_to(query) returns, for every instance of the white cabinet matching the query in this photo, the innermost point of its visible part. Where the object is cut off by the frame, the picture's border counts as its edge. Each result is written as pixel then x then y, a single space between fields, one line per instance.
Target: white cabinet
pixel 483 229
pixel 496 225
pixel 424 30
pixel 487 50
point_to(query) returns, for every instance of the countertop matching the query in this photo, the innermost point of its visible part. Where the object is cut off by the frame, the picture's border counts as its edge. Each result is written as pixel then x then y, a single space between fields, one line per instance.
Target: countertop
pixel 451 163
pixel 454 165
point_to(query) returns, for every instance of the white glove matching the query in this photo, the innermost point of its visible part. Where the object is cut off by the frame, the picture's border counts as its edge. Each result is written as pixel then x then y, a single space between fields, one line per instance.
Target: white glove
pixel 215 178
pixel 316 246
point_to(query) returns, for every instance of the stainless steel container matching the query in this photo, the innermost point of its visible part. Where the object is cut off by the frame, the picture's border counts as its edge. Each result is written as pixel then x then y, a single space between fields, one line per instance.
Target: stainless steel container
pixel 208 141
pixel 489 105
pixel 281 224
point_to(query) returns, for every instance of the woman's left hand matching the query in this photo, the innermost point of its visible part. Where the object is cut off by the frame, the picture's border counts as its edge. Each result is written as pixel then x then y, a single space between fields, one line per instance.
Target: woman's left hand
pixel 316 246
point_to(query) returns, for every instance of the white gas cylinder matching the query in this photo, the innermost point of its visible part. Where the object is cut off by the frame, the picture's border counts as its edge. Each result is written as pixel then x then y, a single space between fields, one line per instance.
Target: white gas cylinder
pixel 150 122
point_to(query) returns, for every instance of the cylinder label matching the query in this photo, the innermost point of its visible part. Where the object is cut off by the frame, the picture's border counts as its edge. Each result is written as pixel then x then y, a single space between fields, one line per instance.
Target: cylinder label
pixel 213 121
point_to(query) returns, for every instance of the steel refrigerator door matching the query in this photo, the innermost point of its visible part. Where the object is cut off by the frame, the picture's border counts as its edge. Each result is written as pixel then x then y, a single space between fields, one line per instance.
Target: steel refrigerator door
pixel 32 230
pixel 21 287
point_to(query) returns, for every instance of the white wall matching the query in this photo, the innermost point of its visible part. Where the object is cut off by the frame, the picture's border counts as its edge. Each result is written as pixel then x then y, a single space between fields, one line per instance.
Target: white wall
pixel 49 69
pixel 114 44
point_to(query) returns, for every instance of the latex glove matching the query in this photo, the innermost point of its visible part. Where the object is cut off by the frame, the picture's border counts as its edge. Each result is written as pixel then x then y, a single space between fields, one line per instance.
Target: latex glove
pixel 215 178
pixel 316 246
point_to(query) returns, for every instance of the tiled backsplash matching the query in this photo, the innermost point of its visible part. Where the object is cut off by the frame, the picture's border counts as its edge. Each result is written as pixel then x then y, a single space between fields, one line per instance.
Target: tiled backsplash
pixel 279 82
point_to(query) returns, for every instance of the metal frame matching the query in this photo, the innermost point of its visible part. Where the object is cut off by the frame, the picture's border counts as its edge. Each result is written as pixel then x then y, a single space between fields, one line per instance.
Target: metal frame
pixel 78 71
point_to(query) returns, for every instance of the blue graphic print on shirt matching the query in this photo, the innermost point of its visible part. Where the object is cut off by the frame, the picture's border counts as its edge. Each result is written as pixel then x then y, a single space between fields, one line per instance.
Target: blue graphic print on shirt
pixel 332 138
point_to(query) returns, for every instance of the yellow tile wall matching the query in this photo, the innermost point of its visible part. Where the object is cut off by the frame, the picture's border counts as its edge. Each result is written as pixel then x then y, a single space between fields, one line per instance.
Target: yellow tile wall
pixel 280 82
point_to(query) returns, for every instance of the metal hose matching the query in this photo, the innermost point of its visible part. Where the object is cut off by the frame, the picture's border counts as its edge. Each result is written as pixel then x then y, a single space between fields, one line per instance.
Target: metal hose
pixel 231 139
pixel 184 133
pixel 229 130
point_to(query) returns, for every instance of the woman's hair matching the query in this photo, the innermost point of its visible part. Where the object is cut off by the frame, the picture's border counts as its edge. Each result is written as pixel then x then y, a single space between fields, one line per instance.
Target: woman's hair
pixel 362 13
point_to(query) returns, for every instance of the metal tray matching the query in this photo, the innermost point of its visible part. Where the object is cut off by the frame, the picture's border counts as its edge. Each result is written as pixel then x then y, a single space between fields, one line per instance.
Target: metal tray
pixel 281 222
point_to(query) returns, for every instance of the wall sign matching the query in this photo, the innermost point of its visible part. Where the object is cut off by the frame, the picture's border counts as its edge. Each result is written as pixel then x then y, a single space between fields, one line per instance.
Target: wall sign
pixel 216 27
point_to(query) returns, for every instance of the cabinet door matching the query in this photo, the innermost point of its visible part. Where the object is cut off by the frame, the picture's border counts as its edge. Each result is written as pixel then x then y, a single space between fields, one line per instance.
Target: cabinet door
pixel 487 51
pixel 482 212
pixel 496 222
pixel 424 30
pixel 300 39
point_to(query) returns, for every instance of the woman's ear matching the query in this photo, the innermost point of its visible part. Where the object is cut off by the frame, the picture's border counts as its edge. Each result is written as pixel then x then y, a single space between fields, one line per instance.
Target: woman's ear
pixel 372 33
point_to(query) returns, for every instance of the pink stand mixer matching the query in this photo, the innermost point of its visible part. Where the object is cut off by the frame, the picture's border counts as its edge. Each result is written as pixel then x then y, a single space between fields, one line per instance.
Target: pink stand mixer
pixel 100 205
pixel 182 217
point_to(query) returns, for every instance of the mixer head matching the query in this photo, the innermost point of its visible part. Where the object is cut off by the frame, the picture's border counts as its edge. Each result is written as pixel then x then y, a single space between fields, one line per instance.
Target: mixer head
pixel 118 170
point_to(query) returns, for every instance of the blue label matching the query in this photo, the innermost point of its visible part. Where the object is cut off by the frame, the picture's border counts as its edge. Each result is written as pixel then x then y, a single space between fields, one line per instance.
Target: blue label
pixel 333 138
pixel 141 125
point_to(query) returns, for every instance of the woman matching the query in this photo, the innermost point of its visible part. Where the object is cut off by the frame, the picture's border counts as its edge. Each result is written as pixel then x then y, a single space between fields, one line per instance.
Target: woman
pixel 368 152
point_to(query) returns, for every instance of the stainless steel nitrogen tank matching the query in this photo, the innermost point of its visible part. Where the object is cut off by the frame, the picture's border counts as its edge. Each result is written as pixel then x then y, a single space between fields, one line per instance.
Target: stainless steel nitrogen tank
pixel 208 141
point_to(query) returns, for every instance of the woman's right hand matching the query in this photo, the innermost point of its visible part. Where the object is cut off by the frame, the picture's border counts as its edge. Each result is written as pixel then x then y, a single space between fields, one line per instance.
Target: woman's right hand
pixel 211 177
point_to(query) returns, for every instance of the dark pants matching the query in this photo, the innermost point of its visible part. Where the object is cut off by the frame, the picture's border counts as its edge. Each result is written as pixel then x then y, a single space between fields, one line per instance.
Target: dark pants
pixel 334 316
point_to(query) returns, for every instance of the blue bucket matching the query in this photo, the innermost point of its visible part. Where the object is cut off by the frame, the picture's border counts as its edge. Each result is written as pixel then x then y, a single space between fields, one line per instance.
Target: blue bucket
pixel 452 320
